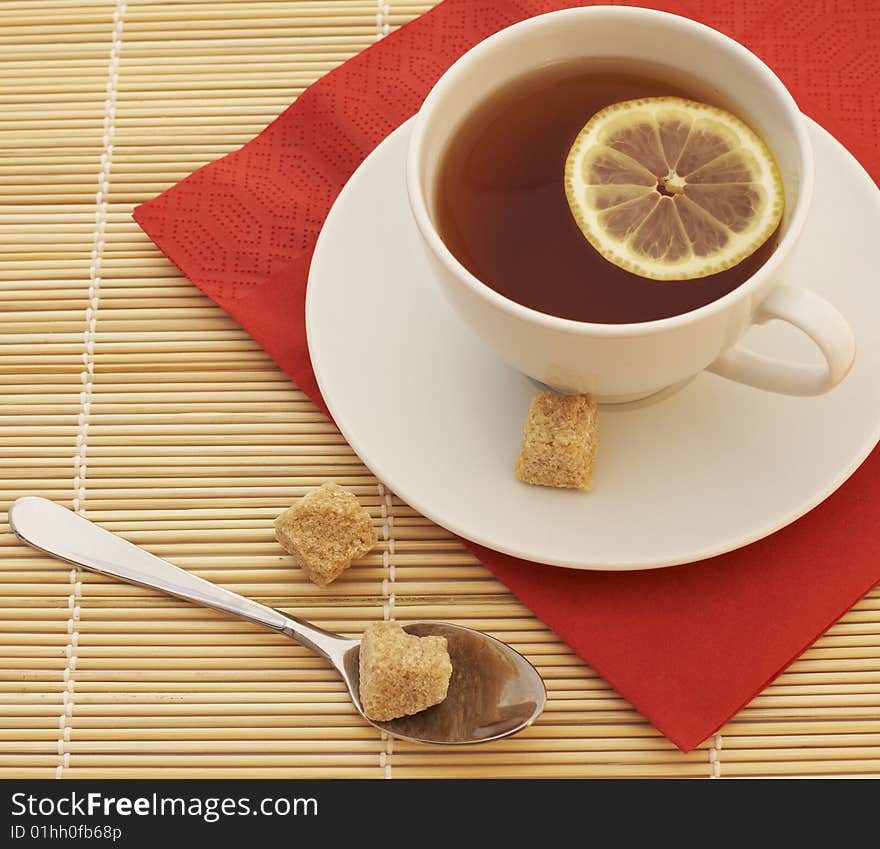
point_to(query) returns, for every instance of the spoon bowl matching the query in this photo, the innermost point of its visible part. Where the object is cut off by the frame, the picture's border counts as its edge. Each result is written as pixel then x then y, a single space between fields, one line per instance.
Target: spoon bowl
pixel 493 692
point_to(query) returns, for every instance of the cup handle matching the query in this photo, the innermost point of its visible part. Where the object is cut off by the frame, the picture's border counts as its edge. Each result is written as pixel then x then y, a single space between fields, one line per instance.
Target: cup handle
pixel 815 317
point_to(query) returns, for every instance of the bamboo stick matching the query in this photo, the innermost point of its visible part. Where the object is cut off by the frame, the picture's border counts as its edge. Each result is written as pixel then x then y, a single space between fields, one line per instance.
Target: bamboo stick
pixel 241 379
pixel 84 760
pixel 317 41
pixel 142 36
pixel 165 612
pixel 264 106
pixel 315 689
pixel 231 688
pixel 29 747
pixel 121 735
pixel 22 737
pixel 286 720
pixel 253 749
pixel 313 704
pixel 341 771
pixel 288 396
pixel 533 770
pixel 54 674
pixel 223 15
pixel 18 773
pixel 805 768
pixel 344 739
pixel 276 728
pixel 146 8
pixel 365 751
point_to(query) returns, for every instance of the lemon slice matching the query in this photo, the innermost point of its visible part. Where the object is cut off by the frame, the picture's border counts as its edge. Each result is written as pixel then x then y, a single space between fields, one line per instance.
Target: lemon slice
pixel 672 189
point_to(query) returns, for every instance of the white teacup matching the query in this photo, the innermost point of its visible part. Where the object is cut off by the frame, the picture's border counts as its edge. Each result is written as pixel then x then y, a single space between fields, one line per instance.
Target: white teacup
pixel 619 362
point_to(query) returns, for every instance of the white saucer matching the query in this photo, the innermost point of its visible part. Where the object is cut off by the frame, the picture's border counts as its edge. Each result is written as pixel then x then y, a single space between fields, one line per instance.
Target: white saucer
pixel 705 469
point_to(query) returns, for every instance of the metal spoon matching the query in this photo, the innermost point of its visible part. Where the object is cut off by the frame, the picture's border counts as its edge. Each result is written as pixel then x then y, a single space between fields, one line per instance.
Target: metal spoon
pixel 494 691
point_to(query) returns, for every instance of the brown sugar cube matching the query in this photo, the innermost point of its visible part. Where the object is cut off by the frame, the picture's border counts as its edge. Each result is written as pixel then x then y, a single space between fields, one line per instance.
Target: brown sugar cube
pixel 560 440
pixel 400 673
pixel 324 531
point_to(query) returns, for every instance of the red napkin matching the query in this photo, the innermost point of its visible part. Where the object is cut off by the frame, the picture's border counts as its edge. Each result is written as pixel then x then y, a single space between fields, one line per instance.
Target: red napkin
pixel 687 646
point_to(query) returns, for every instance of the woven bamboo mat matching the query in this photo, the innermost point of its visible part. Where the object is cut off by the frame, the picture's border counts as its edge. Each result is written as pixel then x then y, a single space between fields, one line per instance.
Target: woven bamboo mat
pixel 127 393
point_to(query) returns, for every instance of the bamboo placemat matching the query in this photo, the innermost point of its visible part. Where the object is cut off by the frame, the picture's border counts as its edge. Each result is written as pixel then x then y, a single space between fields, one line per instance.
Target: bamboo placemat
pixel 126 393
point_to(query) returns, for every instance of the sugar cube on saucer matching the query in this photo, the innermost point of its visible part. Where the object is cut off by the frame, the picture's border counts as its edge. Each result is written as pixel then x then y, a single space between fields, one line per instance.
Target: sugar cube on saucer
pixel 560 441
pixel 400 673
pixel 324 531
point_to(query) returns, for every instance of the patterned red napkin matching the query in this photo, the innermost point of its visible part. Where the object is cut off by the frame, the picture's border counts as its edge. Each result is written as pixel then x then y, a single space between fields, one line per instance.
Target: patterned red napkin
pixel 687 646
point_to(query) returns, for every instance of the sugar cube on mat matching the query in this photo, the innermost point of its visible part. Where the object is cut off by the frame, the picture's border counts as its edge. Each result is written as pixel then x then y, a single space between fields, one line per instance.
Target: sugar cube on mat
pixel 324 531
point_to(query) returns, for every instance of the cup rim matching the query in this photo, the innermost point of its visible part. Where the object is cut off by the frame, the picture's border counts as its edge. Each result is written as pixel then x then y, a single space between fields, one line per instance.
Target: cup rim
pixel 628 14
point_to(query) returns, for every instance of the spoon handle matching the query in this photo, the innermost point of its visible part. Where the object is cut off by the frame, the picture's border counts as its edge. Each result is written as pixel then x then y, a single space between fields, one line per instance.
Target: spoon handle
pixel 60 532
